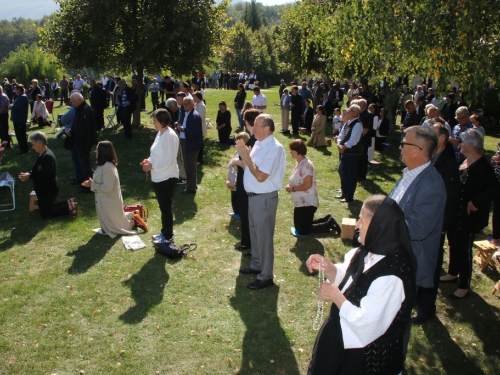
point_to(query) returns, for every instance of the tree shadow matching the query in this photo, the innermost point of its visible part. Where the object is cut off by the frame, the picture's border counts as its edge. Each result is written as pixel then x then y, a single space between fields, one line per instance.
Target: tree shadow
pixel 147 288
pixel 264 339
pixel 305 247
pixel 91 253
pixel 185 207
pixel 22 233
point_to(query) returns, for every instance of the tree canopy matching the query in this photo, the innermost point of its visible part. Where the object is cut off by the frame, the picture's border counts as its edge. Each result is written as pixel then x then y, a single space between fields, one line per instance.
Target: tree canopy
pixel 16 32
pixel 122 35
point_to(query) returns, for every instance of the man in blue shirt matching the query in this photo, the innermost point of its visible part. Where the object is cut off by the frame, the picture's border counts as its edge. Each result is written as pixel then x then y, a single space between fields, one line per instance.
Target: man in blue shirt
pixel 19 115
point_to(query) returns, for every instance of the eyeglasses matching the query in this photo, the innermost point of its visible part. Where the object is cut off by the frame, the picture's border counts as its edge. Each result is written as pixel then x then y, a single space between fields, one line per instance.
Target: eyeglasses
pixel 460 118
pixel 410 144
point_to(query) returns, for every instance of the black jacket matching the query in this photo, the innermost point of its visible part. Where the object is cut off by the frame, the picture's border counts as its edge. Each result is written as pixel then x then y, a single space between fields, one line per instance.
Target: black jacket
pixel 44 173
pixel 83 130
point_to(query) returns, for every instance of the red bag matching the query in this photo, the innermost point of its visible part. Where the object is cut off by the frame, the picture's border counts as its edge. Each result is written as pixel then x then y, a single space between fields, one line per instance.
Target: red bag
pixel 143 211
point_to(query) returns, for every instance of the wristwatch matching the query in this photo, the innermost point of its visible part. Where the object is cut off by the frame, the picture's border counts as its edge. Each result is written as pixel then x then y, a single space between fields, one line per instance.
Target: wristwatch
pixel 293 189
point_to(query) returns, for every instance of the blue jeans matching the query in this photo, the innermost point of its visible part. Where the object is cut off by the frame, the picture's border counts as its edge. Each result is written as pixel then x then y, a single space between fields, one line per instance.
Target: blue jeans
pixel 79 175
pixel 240 118
pixel 348 170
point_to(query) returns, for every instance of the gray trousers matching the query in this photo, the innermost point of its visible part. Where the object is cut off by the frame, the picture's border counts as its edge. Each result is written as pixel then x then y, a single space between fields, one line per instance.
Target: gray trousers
pixel 191 166
pixel 262 218
pixel 180 159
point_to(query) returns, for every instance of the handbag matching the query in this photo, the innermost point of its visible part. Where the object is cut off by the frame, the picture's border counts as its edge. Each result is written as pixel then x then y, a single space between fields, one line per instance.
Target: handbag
pixel 143 211
pixel 173 251
pixel 68 143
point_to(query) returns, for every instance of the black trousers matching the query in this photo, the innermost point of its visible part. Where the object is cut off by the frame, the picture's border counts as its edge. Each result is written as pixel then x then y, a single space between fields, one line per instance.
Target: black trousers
pixel 191 166
pixel 4 128
pixel 84 159
pixel 64 95
pixel 363 165
pixel 303 219
pixel 234 202
pixel 495 221
pixel 47 206
pixel 20 129
pixel 460 265
pixel 99 118
pixel 164 191
pixel 243 212
pixel 296 121
pixel 154 100
pixel 200 153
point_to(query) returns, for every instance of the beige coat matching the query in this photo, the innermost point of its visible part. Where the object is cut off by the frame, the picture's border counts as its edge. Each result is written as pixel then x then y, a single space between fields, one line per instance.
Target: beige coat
pixel 318 131
pixel 109 201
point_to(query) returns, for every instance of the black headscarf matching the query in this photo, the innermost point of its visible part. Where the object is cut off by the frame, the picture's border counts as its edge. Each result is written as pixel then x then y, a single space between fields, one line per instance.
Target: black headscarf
pixel 386 235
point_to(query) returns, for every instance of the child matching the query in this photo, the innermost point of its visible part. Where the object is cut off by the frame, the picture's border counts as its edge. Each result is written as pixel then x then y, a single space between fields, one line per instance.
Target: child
pixel 231 178
pixel 336 121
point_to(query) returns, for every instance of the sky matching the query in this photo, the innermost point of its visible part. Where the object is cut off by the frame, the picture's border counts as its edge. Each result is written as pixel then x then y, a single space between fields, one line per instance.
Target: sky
pixel 36 9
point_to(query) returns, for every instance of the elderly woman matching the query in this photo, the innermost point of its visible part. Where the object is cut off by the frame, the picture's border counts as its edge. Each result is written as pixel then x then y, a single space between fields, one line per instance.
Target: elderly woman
pixel 285 111
pixel 318 128
pixel 372 294
pixel 478 188
pixel 108 194
pixel 40 113
pixel 162 164
pixel 44 177
pixel 302 188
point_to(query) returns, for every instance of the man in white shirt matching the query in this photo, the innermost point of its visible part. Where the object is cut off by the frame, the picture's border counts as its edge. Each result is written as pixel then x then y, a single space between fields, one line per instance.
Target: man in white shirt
pixel 259 101
pixel 78 83
pixel 264 171
pixel 200 107
pixel 350 149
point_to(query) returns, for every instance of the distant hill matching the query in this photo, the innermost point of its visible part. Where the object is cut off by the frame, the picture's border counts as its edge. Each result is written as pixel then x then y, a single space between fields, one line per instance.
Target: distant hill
pixel 34 9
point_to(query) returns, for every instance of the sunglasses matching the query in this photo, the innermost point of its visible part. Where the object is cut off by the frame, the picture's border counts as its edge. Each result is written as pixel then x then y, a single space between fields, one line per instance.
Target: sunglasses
pixel 402 144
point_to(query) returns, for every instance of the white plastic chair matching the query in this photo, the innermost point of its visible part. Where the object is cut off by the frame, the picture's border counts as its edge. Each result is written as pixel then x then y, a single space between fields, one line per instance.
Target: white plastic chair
pixel 6 180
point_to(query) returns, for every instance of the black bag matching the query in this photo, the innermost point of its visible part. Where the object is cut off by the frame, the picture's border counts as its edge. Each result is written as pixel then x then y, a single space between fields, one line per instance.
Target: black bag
pixel 173 251
pixel 68 143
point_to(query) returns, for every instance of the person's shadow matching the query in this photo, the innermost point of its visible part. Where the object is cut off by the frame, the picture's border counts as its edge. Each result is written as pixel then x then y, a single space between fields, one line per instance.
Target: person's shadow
pixel 91 253
pixel 304 248
pixel 266 349
pixel 147 287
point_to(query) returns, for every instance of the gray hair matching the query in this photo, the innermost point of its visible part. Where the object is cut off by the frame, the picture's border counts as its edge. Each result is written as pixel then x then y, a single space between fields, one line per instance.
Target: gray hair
pixel 356 107
pixel 188 99
pixel 427 136
pixel 267 121
pixel 474 138
pixel 38 137
pixel 462 111
pixel 122 82
pixel 76 95
pixel 361 103
pixel 170 102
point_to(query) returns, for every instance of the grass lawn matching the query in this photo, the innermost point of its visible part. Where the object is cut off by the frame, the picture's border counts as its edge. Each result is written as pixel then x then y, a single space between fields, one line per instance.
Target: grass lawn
pixel 72 301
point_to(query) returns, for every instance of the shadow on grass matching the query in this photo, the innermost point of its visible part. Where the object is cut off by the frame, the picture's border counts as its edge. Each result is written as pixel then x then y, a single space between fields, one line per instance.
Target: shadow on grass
pixel 90 254
pixel 234 228
pixel 324 150
pixel 264 339
pixel 22 234
pixel 147 287
pixel 304 248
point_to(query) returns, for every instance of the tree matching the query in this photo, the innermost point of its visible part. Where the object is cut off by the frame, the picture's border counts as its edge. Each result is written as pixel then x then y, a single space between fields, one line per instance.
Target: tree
pixel 136 34
pixel 16 32
pixel 252 15
pixel 26 63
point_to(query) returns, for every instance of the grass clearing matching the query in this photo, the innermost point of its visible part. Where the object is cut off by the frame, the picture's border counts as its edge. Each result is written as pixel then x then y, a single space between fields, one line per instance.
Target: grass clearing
pixel 72 300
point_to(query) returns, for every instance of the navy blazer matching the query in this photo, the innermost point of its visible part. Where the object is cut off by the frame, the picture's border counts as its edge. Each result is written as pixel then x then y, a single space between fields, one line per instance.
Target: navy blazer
pixel 423 206
pixel 193 131
pixel 19 110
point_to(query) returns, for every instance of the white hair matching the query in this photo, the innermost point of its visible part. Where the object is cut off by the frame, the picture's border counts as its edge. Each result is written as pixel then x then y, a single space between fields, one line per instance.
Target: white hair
pixel 76 95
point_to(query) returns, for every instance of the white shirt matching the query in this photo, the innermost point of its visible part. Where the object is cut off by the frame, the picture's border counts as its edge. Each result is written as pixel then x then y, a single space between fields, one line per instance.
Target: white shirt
pixel 366 323
pixel 78 84
pixel 269 157
pixel 104 81
pixel 182 135
pixel 408 177
pixel 164 156
pixel 202 111
pixel 356 133
pixel 259 100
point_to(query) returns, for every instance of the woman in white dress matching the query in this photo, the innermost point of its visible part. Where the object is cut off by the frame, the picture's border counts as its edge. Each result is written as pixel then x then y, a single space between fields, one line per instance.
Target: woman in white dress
pixel 108 195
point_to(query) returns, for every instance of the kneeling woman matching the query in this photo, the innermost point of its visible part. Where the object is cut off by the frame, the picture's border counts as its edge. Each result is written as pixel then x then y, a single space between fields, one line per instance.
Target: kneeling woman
pixel 302 187
pixel 44 177
pixel 372 292
pixel 108 194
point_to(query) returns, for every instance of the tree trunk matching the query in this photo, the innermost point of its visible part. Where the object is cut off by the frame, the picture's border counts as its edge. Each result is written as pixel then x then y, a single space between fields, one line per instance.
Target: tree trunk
pixel 136 121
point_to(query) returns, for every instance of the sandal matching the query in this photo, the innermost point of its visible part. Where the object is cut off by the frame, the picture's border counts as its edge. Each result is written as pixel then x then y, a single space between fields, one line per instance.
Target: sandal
pixel 140 223
pixel 73 208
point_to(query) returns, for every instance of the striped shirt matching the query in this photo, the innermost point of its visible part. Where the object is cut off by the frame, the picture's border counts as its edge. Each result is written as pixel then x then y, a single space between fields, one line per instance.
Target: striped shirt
pixel 269 157
pixel 408 177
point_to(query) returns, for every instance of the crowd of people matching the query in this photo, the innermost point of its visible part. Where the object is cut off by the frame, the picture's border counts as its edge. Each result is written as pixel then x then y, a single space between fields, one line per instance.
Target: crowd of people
pixel 445 190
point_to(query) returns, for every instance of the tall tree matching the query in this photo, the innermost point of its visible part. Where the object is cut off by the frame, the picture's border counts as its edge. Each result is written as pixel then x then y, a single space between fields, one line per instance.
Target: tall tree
pixel 16 32
pixel 252 15
pixel 155 35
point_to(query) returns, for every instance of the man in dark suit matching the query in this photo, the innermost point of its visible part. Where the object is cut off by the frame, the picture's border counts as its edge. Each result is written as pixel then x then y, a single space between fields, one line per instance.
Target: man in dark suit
pixel 109 88
pixel 84 133
pixel 366 119
pixel 308 115
pixel 19 116
pixel 127 101
pixel 421 194
pixel 296 103
pixel 192 129
pixel 98 102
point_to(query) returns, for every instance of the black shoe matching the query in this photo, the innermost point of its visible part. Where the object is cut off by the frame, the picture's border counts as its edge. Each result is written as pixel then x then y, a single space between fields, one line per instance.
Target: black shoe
pixel 188 192
pixel 286 132
pixel 451 281
pixel 334 225
pixel 248 271
pixel 454 296
pixel 242 248
pixel 419 319
pixel 260 284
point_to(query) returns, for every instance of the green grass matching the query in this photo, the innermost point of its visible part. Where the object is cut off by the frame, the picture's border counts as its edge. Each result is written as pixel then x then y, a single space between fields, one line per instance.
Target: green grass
pixel 72 301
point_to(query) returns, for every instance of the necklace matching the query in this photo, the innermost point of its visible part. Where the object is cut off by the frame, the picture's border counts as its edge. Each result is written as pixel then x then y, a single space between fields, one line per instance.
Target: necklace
pixel 319 312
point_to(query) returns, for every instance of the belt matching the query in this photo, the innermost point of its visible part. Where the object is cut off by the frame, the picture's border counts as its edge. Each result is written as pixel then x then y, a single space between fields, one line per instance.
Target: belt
pixel 252 194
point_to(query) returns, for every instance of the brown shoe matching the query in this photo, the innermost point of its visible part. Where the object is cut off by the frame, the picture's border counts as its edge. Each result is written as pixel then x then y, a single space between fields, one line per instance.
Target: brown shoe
pixel 140 223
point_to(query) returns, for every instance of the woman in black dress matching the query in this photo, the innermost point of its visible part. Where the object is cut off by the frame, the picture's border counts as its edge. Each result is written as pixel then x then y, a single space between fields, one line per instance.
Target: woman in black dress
pixel 239 101
pixel 44 177
pixel 223 122
pixel 372 292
